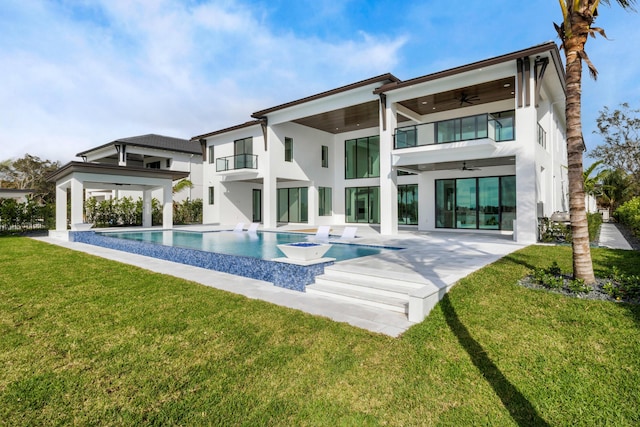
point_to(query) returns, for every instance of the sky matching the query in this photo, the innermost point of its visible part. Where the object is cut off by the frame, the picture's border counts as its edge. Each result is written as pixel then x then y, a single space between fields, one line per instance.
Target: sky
pixel 76 74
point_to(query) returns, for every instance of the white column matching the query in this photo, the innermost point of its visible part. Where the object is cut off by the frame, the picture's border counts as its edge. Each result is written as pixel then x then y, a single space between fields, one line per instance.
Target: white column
pixel 146 207
pixel 61 207
pixel 526 174
pixel 77 202
pixel 388 175
pixel 167 206
pixel 426 205
pixel 312 203
pixel 269 202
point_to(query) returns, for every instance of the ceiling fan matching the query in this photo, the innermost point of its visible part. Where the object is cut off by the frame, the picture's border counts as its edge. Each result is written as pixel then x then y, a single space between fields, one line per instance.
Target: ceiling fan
pixel 468 99
pixel 470 168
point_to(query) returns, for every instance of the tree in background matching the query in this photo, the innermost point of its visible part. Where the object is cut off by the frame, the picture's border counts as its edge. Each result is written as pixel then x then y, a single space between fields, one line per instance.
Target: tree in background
pixel 617 187
pixel 30 172
pixel 578 17
pixel 620 130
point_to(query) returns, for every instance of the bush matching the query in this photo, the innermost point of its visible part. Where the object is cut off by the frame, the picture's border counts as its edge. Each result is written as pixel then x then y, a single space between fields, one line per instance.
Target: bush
pixel 558 232
pixel 20 217
pixel 629 214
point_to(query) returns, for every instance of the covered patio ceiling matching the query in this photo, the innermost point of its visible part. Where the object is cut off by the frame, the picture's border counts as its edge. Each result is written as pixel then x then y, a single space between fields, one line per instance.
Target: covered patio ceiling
pixel 366 115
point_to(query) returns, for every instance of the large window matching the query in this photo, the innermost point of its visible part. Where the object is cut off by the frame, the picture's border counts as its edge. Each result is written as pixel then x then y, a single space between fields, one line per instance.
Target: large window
pixel 362 157
pixel 363 204
pixel 487 203
pixel 408 204
pixel 288 149
pixel 461 129
pixel 292 204
pixel 324 201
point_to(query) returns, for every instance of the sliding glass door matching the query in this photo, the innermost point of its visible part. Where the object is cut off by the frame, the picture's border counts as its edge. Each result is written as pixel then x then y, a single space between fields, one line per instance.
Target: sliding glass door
pixel 363 204
pixel 293 204
pixel 487 203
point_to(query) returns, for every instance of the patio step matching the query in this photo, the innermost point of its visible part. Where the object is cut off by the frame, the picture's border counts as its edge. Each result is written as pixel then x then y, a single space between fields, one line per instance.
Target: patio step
pixel 364 286
pixel 359 296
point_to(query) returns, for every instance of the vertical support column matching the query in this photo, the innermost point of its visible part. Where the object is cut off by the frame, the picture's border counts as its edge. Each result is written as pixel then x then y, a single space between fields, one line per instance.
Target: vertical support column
pixel 146 208
pixel 312 203
pixel 77 202
pixel 527 176
pixel 426 207
pixel 269 202
pixel 167 206
pixel 61 207
pixel 388 175
pixel 269 183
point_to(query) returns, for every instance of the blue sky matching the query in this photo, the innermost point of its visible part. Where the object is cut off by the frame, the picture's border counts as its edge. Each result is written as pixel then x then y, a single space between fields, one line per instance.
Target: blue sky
pixel 80 73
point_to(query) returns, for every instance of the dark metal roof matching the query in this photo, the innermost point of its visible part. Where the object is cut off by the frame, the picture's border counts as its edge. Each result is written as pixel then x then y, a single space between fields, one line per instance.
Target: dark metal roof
pixel 159 142
pixel 229 129
pixel 378 79
pixel 104 169
pixel 535 50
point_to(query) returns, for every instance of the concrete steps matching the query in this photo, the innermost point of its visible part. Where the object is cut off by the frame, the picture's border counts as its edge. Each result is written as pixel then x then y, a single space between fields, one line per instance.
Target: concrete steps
pixel 365 286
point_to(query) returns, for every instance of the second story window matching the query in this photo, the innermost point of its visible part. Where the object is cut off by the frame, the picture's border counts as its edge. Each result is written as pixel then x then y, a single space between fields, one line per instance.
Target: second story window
pixel 288 149
pixel 153 165
pixel 243 150
pixel 325 156
pixel 362 157
pixel 210 154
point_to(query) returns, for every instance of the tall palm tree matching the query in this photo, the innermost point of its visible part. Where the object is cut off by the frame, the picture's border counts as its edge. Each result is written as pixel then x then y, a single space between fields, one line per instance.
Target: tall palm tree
pixel 578 17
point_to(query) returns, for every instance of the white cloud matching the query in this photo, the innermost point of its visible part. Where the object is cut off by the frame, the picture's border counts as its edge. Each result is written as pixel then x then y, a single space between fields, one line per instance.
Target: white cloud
pixel 83 74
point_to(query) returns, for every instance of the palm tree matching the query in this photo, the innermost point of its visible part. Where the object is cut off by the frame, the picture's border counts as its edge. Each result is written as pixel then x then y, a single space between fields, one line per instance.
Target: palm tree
pixel 578 17
pixel 593 184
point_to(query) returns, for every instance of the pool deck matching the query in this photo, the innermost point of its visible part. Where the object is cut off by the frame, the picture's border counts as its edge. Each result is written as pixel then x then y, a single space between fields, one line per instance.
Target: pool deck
pixel 441 258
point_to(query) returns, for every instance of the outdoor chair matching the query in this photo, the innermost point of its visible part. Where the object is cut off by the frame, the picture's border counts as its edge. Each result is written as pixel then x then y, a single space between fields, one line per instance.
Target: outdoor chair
pixel 348 233
pixel 239 227
pixel 323 232
pixel 253 227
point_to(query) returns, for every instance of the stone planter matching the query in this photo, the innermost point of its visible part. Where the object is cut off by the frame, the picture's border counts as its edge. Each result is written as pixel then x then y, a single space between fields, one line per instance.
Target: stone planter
pixel 304 251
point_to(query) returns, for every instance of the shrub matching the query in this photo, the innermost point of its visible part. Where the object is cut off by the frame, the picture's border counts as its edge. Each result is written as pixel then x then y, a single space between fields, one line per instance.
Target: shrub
pixel 629 214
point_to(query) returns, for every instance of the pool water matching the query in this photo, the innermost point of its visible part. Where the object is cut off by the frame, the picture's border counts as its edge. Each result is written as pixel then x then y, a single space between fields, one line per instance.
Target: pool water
pixel 260 245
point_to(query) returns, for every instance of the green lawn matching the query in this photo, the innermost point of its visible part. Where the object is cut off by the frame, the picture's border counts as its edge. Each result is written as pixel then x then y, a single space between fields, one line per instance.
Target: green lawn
pixel 89 341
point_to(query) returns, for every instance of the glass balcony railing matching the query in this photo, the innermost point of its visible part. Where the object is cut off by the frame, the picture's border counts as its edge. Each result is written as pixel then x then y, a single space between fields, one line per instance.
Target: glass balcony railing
pixel 239 161
pixel 498 127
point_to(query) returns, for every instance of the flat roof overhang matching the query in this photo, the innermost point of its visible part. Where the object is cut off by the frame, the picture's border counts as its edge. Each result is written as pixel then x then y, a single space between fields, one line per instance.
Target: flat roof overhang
pixel 476 153
pixel 114 171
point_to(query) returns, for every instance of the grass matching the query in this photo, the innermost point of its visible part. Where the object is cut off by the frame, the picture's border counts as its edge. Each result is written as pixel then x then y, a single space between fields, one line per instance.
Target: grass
pixel 90 341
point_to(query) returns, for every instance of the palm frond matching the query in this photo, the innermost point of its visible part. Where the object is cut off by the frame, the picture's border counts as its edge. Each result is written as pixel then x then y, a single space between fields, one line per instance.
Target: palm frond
pixel 593 72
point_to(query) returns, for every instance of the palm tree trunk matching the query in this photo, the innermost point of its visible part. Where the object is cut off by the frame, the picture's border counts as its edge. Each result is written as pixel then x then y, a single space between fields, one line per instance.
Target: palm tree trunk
pixel 582 265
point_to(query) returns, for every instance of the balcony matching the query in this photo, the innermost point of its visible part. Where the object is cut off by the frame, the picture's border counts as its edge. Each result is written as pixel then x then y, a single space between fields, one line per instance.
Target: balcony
pixel 237 162
pixel 498 127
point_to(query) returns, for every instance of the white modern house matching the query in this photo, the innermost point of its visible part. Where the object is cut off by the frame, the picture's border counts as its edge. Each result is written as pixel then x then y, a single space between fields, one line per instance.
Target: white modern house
pixel 477 148
pixel 149 152
pixel 19 195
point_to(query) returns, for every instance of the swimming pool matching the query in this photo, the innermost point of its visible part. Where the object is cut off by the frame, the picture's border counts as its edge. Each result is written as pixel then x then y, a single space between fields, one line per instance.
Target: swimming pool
pixel 261 245
pixel 253 255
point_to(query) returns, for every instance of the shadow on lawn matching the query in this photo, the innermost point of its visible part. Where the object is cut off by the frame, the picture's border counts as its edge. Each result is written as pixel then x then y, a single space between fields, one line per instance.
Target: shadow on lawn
pixel 520 409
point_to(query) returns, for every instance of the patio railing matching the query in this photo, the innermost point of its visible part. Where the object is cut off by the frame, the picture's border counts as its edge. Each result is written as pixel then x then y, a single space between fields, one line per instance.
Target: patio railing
pixel 239 161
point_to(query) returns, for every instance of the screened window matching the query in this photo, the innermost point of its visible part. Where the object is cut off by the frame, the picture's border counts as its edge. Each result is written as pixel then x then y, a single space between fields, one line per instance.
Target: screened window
pixel 292 204
pixel 324 201
pixel 487 203
pixel 211 156
pixel 211 192
pixel 362 157
pixel 363 204
pixel 325 156
pixel 288 149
